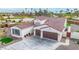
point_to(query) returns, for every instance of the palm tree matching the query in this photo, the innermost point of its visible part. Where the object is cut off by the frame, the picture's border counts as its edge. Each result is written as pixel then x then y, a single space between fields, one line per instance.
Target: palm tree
pixel 36 13
pixel 75 9
pixel 40 12
pixel 45 13
pixel 31 9
pixel 25 9
pixel 76 12
pixel 60 13
pixel 31 13
pixel 67 10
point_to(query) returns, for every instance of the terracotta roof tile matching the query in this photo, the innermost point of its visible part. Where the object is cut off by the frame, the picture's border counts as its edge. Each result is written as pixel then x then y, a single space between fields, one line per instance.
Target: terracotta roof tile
pixel 22 26
pixel 56 23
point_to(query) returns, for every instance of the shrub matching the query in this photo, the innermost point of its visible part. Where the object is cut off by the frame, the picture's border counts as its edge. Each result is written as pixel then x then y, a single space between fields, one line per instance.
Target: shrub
pixel 68 24
pixel 6 40
pixel 77 31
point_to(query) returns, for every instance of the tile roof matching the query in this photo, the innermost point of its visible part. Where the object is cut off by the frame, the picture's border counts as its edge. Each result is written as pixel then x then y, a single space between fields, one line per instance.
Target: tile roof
pixel 23 26
pixel 56 23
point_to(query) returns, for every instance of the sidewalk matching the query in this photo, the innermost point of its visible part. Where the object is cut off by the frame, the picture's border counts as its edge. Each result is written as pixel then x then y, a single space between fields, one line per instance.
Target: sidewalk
pixel 72 46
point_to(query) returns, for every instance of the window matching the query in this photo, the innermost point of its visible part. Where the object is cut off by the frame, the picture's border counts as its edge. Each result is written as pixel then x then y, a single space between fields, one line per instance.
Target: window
pixel 16 31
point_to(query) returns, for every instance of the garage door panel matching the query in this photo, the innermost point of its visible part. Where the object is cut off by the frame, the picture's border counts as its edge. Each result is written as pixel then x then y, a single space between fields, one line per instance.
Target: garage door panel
pixel 50 35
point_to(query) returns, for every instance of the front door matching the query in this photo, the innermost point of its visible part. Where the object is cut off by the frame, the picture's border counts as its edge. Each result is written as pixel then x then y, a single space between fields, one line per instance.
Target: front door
pixel 38 32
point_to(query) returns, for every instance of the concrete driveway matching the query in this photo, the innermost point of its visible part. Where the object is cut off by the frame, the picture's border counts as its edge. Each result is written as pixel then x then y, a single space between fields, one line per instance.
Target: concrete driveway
pixel 33 43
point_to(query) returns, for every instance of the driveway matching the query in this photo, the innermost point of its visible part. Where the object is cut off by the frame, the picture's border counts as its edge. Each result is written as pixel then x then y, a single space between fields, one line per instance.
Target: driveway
pixel 33 43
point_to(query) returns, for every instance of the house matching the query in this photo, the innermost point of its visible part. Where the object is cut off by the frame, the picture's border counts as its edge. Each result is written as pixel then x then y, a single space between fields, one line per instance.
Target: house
pixel 5 17
pixel 11 16
pixel 8 16
pixel 14 20
pixel 75 18
pixel 52 28
pixel 44 27
pixel 22 30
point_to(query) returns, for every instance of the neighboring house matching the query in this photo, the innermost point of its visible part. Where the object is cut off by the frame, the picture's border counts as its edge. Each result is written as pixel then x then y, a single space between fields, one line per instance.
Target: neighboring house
pixel 27 19
pixel 74 28
pixel 76 18
pixel 14 20
pixel 45 27
pixel 73 22
pixel 75 31
pixel 6 16
pixel 11 16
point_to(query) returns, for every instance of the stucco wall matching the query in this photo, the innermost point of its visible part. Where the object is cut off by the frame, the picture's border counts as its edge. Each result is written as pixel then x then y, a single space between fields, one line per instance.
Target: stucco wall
pixel 26 31
pixel 22 31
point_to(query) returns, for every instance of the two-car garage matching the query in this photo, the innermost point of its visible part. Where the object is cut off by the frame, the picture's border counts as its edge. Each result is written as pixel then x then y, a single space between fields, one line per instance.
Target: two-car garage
pixel 50 35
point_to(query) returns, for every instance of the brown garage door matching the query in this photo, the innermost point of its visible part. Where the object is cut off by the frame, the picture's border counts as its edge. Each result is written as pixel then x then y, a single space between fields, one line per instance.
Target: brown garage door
pixel 49 35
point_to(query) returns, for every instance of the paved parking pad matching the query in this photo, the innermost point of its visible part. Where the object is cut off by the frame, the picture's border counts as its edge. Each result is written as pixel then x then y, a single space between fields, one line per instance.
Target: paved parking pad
pixel 33 43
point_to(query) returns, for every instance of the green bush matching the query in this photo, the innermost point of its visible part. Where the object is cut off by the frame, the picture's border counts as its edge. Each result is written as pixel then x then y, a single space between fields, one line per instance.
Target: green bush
pixel 6 40
pixel 77 31
pixel 68 24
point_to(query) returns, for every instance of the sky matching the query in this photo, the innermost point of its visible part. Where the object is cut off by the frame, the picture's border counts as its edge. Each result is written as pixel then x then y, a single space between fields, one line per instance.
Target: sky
pixel 23 9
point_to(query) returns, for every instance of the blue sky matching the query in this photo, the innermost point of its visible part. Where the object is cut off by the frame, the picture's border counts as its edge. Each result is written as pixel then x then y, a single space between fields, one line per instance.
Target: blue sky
pixel 23 9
